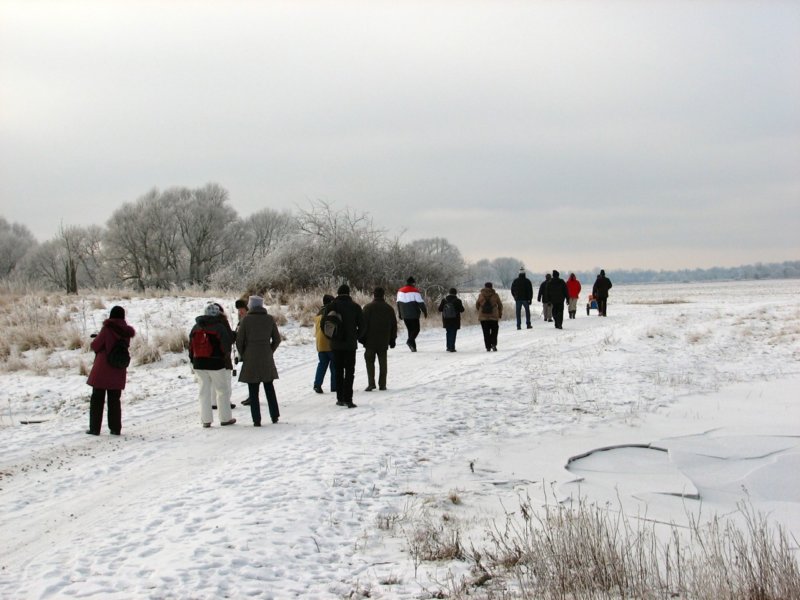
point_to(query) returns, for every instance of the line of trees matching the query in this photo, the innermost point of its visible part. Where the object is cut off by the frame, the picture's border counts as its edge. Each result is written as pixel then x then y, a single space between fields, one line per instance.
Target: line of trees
pixel 183 237
pixel 193 237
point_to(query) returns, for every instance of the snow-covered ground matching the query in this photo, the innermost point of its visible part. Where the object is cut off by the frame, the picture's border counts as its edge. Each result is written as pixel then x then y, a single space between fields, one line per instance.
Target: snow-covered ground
pixel 693 387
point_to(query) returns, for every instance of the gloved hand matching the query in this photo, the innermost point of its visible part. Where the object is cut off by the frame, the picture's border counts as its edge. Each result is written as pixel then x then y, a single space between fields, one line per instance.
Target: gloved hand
pixel 391 344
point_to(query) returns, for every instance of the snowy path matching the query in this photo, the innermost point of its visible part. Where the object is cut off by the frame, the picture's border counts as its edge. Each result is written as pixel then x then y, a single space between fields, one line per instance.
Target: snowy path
pixel 171 510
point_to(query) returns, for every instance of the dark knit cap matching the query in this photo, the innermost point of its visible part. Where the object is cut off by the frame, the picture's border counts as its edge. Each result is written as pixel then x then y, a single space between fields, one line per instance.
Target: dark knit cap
pixel 453 291
pixel 555 273
pixel 344 290
pixel 241 303
pixel 378 292
pixel 117 312
pixel 488 284
pixel 411 281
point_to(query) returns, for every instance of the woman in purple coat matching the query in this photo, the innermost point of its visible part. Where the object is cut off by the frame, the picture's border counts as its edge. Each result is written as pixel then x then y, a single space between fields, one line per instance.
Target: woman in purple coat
pixel 106 379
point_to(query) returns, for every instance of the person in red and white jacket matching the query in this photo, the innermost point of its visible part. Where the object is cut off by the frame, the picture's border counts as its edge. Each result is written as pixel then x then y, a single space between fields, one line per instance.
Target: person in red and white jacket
pixel 409 307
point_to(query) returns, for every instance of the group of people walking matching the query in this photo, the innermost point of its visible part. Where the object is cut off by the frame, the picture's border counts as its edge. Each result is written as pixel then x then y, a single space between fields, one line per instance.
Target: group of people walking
pixel 212 341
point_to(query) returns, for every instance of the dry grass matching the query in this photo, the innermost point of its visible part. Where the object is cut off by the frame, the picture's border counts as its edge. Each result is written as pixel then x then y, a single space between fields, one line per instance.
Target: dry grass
pixel 172 340
pixel 584 551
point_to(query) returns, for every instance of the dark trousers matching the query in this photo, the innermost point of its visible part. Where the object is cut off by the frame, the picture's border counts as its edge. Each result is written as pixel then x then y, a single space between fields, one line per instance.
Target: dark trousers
pixel 450 336
pixel 412 326
pixel 325 363
pixel 601 306
pixel 255 405
pixel 96 406
pixel 527 305
pixel 558 315
pixel 369 358
pixel 345 363
pixel 490 328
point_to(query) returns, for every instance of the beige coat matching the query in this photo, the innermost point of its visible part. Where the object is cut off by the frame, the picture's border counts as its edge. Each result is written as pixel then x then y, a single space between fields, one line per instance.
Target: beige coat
pixel 256 340
pixel 489 295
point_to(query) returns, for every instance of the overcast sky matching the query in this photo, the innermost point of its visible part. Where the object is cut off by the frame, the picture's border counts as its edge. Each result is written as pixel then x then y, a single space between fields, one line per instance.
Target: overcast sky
pixel 569 134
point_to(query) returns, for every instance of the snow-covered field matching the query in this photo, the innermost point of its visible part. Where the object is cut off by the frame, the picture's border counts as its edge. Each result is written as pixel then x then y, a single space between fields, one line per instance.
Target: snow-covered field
pixel 698 383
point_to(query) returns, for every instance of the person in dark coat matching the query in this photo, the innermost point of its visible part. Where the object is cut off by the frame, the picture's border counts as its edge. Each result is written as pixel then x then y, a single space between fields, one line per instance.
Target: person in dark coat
pixel 378 335
pixel 452 323
pixel 490 311
pixel 558 296
pixel 547 307
pixel 522 291
pixel 257 339
pixel 600 291
pixel 344 349
pixel 108 381
pixel 410 306
pixel 212 372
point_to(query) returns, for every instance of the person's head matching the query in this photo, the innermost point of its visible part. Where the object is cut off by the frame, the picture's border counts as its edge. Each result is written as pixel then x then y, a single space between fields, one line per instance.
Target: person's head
pixel 548 276
pixel 411 281
pixel 378 293
pixel 602 273
pixel 572 276
pixel 453 291
pixel 255 302
pixel 241 307
pixel 344 290
pixel 555 273
pixel 488 285
pixel 212 310
pixel 522 271
pixel 117 312
pixel 327 299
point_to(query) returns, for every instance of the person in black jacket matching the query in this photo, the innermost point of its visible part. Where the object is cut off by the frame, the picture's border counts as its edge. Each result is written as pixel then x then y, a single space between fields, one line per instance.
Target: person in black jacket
pixel 378 335
pixel 344 349
pixel 451 317
pixel 558 296
pixel 547 307
pixel 522 291
pixel 600 291
pixel 212 335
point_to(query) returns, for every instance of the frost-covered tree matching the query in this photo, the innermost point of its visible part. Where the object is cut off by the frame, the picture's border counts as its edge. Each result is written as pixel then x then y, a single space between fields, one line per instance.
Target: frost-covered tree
pixel 208 227
pixel 15 241
pixel 143 242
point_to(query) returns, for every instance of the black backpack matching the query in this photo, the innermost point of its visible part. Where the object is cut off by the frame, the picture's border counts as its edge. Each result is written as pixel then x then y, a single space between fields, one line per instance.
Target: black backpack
pixel 449 311
pixel 119 357
pixel 487 307
pixel 331 325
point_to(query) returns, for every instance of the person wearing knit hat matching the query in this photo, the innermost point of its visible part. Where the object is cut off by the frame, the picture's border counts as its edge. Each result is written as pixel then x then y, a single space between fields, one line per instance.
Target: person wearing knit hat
pixel 451 308
pixel 345 345
pixel 380 333
pixel 600 291
pixel 210 342
pixel 256 341
pixel 107 379
pixel 522 291
pixel 547 307
pixel 410 306
pixel 324 351
pixel 558 296
pixel 490 311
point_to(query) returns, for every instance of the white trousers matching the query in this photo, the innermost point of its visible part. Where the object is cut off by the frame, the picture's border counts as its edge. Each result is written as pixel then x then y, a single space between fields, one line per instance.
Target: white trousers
pixel 215 388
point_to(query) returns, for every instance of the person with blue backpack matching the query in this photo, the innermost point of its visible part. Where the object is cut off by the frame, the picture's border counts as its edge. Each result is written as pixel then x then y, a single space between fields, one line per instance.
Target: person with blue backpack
pixel 451 308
